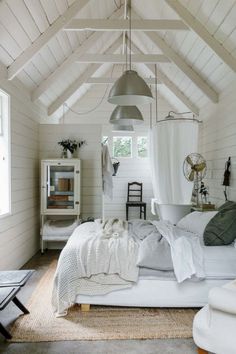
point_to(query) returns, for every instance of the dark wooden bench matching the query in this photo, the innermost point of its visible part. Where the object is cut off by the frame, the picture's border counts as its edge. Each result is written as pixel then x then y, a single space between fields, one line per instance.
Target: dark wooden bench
pixel 10 284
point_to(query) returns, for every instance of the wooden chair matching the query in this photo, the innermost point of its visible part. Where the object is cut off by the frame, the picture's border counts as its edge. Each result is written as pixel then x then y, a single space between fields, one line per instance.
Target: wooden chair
pixel 135 199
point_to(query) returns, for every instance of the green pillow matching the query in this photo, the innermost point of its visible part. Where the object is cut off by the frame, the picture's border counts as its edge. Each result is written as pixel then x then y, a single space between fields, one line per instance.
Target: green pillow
pixel 221 230
pixel 227 205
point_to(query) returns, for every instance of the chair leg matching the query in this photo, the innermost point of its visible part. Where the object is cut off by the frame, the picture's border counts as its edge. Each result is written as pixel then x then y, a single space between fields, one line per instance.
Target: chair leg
pixel 145 212
pixel 201 351
pixel 127 212
pixel 140 212
pixel 20 305
pixel 4 332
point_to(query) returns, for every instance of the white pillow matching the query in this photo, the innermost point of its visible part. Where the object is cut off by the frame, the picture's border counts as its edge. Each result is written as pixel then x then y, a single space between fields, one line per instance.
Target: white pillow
pixel 196 221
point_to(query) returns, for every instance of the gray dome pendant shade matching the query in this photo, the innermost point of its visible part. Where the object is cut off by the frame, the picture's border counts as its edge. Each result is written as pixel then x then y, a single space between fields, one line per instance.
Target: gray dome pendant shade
pixel 130 90
pixel 122 128
pixel 126 115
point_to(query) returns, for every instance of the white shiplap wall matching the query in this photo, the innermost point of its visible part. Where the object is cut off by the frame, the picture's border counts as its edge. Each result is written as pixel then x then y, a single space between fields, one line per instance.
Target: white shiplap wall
pixel 134 169
pixel 218 142
pixel 90 155
pixel 19 232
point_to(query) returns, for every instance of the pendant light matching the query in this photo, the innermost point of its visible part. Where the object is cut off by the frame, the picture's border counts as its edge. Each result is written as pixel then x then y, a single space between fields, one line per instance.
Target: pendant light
pixel 122 128
pixel 130 89
pixel 126 115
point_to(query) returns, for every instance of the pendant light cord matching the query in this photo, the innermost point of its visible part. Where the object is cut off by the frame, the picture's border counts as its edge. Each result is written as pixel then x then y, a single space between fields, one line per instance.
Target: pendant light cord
pixel 156 92
pixel 130 35
pixel 92 109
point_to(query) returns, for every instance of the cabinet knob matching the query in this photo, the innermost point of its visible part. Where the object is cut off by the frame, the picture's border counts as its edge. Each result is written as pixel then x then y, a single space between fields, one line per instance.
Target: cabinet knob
pixel 76 202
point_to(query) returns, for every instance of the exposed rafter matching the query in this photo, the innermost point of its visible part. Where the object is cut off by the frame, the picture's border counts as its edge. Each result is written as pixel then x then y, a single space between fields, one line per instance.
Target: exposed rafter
pixel 79 24
pixel 42 40
pixel 169 84
pixel 81 80
pixel 202 32
pixel 121 59
pixel 3 71
pixel 83 48
pixel 183 66
pixel 112 80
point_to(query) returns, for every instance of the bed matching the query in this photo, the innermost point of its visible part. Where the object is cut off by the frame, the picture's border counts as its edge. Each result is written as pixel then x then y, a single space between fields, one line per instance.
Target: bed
pixel 186 285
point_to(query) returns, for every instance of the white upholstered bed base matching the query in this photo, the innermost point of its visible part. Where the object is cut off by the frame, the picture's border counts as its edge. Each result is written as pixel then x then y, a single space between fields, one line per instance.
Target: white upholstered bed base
pixel 157 293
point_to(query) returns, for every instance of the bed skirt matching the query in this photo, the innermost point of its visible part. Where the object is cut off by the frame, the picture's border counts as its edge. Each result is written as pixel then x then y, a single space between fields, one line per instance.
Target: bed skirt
pixel 157 293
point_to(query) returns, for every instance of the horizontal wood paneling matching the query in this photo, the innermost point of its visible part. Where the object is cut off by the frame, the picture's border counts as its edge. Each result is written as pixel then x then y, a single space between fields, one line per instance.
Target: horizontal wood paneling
pixel 218 142
pixel 19 232
pixel 90 155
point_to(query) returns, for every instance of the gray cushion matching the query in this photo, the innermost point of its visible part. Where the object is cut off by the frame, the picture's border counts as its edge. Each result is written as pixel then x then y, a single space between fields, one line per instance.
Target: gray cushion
pixel 221 230
pixel 154 253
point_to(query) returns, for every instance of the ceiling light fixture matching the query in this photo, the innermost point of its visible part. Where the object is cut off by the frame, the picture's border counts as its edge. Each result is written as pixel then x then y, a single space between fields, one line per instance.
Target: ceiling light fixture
pixel 130 89
pixel 126 115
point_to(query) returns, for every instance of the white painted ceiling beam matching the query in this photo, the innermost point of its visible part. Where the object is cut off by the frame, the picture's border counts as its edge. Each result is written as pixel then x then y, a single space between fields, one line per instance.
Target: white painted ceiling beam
pixel 83 48
pixel 3 71
pixel 183 66
pixel 121 59
pixel 45 37
pixel 81 80
pixel 112 80
pixel 202 32
pixel 169 84
pixel 78 24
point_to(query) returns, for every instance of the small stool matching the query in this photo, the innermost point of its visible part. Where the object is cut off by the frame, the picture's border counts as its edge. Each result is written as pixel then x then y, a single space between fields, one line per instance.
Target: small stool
pixel 11 281
pixel 8 294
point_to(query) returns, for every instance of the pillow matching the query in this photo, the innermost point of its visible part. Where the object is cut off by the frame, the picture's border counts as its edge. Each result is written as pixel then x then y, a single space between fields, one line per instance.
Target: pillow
pixel 221 230
pixel 227 205
pixel 154 253
pixel 196 221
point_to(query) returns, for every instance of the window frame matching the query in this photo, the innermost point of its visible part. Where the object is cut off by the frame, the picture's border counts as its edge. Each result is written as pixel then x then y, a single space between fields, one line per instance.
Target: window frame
pixel 131 147
pixel 6 134
pixel 137 150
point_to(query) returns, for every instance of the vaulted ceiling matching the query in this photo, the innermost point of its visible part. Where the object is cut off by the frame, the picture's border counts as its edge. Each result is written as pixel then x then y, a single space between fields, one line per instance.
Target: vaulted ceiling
pixel 46 45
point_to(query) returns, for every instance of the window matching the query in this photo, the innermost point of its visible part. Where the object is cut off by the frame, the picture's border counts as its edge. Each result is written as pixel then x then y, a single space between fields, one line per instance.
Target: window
pixel 4 154
pixel 142 144
pixel 122 146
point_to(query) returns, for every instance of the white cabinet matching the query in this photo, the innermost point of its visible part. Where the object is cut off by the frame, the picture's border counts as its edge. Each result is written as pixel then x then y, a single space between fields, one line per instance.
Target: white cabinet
pixel 60 193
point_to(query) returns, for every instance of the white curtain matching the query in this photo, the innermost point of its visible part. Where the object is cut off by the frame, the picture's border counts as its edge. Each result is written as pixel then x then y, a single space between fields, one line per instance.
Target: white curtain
pixel 171 142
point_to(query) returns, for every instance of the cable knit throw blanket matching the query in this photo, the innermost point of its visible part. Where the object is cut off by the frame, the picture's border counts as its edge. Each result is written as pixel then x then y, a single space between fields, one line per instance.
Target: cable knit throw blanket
pixel 98 258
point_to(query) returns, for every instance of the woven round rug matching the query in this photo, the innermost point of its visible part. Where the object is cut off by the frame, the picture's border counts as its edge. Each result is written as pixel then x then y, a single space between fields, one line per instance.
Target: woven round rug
pixel 100 323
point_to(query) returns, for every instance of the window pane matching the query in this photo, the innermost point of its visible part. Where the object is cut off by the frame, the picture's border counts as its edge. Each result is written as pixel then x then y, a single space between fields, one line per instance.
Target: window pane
pixel 122 146
pixel 142 144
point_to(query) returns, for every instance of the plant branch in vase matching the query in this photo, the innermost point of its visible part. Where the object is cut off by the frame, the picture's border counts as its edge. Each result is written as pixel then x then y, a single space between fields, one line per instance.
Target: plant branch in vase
pixel 70 146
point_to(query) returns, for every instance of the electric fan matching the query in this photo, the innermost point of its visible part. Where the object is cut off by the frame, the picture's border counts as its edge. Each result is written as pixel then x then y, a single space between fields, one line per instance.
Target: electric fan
pixel 194 169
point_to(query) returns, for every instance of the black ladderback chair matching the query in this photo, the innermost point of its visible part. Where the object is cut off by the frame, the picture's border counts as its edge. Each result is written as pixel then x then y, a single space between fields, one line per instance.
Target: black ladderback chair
pixel 135 199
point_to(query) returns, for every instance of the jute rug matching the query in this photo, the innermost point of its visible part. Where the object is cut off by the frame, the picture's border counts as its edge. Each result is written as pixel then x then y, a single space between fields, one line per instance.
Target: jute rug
pixel 100 323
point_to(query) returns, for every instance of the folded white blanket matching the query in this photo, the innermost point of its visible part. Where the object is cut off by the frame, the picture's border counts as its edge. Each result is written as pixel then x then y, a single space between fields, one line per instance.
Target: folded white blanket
pixel 92 265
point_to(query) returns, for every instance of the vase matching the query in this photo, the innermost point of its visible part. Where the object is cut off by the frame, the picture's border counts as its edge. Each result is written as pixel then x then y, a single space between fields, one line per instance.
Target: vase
pixel 69 154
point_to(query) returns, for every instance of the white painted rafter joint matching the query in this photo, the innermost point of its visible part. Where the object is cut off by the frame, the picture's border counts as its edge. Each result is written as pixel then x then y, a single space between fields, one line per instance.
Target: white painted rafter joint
pixel 123 25
pixel 121 59
pixel 202 32
pixel 42 40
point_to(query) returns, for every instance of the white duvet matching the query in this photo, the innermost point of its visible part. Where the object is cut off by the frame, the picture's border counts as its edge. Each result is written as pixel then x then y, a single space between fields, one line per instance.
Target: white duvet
pixel 94 263
pixel 91 264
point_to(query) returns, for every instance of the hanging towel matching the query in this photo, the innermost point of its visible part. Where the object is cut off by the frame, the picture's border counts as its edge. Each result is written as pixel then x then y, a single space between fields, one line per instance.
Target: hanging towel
pixel 107 172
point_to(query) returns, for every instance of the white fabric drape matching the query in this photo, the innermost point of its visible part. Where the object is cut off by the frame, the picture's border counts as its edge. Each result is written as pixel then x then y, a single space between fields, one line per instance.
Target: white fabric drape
pixel 171 142
pixel 107 171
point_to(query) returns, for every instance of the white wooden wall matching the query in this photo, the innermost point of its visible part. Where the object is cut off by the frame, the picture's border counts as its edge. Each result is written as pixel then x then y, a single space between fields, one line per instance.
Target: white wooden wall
pixel 218 142
pixel 130 169
pixel 90 155
pixel 19 232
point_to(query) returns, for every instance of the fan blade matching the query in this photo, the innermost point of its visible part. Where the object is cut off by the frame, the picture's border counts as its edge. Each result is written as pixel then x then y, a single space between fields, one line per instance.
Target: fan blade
pixel 191 176
pixel 199 166
pixel 189 161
